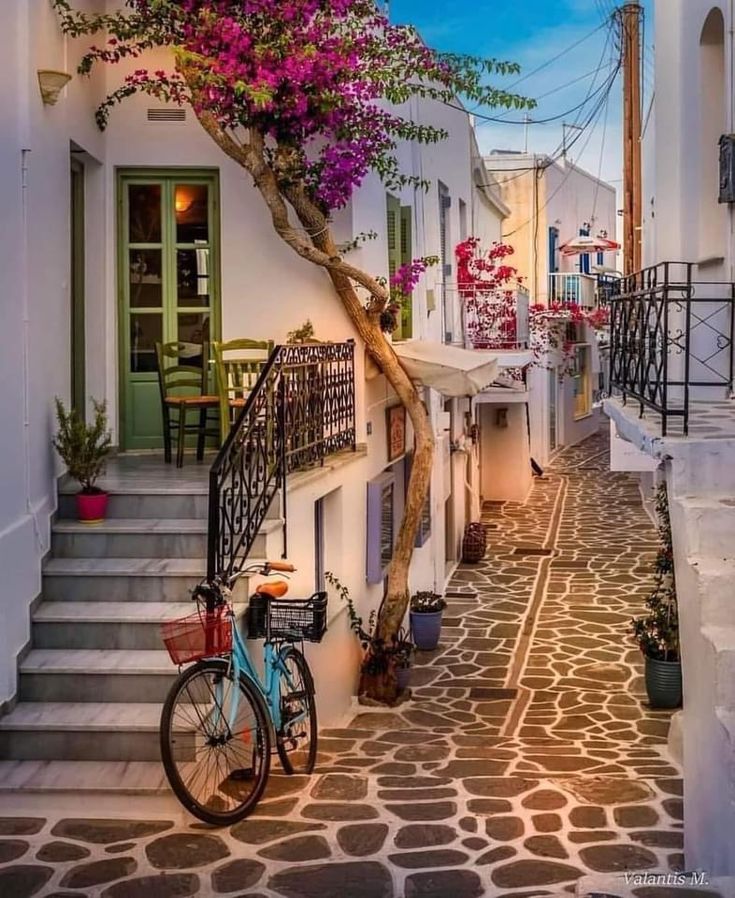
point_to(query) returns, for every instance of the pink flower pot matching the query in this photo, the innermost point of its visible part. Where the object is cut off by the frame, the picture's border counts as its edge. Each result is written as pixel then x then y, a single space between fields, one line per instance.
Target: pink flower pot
pixel 92 507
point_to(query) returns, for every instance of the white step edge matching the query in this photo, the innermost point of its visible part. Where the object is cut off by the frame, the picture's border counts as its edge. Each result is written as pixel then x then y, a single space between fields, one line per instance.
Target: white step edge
pixel 87 716
pixel 97 661
pixel 116 612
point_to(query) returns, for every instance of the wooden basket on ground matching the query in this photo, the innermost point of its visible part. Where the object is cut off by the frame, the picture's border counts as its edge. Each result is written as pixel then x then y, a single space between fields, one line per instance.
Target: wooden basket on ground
pixel 474 543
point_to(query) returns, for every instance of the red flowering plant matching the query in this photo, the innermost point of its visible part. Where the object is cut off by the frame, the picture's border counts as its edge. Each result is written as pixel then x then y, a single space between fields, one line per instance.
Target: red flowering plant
pixel 487 291
pixel 554 331
pixel 308 97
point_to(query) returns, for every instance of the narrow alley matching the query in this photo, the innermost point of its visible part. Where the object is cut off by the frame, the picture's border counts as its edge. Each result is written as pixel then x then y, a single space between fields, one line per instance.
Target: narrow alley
pixel 526 758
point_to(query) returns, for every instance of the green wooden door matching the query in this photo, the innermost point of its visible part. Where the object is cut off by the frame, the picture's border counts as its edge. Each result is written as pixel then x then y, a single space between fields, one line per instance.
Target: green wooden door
pixel 168 271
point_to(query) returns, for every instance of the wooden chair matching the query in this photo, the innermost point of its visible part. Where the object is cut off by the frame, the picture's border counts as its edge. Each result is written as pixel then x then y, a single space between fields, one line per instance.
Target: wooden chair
pixel 183 387
pixel 237 365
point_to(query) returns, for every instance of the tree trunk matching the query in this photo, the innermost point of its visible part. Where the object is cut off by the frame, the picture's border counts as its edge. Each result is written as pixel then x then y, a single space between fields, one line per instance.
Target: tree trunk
pixel 321 250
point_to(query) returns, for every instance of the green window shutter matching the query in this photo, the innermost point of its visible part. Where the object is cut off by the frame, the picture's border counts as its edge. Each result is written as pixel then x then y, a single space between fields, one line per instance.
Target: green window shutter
pixel 406 258
pixel 393 211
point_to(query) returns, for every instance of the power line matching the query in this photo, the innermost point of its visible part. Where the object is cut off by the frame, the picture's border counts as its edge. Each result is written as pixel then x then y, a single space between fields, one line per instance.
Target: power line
pixel 558 56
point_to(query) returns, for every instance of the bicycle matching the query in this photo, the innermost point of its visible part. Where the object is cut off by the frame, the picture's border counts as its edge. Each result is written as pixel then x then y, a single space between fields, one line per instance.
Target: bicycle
pixel 220 719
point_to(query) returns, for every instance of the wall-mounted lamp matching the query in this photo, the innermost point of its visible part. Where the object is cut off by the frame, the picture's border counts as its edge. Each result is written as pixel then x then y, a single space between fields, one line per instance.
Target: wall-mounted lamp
pixel 51 84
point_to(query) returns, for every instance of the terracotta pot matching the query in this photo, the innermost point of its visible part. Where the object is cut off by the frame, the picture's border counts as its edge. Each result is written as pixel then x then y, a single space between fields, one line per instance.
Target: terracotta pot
pixel 92 507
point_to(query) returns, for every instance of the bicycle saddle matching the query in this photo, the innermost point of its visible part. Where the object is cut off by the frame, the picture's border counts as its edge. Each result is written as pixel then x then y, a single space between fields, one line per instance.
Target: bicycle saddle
pixel 275 589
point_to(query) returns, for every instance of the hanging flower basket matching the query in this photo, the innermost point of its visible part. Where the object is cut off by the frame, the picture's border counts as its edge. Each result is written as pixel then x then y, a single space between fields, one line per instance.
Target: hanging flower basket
pixel 474 543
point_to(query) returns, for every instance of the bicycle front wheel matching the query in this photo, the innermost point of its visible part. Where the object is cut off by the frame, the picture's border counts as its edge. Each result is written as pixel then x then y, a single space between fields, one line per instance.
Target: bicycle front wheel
pixel 215 743
pixel 297 740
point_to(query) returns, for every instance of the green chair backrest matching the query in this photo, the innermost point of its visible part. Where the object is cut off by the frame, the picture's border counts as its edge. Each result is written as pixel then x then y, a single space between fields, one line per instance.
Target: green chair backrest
pixel 237 365
pixel 182 369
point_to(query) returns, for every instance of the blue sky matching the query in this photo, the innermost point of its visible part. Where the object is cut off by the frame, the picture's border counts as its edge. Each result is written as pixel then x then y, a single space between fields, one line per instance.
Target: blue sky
pixel 532 32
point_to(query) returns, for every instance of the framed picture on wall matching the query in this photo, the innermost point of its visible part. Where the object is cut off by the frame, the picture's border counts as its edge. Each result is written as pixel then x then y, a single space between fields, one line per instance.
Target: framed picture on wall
pixel 395 425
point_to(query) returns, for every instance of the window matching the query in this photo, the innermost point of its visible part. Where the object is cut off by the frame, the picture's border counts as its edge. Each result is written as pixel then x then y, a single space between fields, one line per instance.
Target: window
pixel 445 245
pixel 582 381
pixel 380 526
pixel 400 239
pixel 553 250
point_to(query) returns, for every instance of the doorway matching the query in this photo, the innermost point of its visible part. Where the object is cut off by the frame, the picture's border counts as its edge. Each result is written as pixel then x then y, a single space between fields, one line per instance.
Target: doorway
pixel 168 277
pixel 77 288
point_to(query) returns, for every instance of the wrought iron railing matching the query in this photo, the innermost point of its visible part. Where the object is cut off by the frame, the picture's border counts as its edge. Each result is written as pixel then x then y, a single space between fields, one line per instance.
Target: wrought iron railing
pixel 495 321
pixel 301 410
pixel 671 340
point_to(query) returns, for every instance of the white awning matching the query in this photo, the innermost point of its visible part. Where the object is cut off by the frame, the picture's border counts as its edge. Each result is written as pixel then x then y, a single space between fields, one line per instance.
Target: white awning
pixel 451 370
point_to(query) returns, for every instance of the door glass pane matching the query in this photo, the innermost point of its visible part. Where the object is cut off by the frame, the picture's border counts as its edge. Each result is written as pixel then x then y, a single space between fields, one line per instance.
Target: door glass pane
pixel 192 277
pixel 193 327
pixel 144 211
pixel 146 283
pixel 146 329
pixel 192 213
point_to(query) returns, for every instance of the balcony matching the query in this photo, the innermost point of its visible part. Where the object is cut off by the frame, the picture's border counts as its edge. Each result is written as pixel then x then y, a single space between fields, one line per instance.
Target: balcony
pixel 573 289
pixel 671 341
pixel 497 321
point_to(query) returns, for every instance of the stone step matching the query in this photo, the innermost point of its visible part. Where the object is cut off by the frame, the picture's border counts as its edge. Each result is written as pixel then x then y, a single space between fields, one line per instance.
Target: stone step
pixel 150 499
pixel 84 778
pixel 89 675
pixel 710 526
pixel 121 579
pixel 714 588
pixel 106 625
pixel 650 882
pixel 722 640
pixel 131 538
pixel 81 731
pixel 141 538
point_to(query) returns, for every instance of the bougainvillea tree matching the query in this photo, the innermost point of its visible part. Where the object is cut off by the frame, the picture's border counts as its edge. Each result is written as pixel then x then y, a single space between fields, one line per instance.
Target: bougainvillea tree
pixel 308 96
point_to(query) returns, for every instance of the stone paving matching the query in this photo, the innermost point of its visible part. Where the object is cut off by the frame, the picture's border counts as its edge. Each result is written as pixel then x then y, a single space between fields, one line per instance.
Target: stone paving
pixel 526 758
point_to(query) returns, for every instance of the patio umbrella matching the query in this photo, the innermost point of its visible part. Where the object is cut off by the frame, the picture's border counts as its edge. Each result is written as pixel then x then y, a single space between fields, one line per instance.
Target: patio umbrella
pixel 578 246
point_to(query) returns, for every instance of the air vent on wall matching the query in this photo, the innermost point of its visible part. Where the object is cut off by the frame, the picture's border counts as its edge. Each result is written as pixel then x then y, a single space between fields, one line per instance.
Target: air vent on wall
pixel 167 114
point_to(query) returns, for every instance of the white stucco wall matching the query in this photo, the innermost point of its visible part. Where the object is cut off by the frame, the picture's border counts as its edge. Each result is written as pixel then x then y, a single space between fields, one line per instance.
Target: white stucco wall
pixel 266 291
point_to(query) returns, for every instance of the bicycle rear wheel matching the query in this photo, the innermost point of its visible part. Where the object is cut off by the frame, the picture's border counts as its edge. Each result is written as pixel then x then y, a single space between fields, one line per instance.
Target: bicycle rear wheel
pixel 215 743
pixel 297 740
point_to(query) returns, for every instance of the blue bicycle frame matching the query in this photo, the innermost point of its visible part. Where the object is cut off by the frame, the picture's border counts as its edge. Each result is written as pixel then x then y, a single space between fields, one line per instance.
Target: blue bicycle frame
pixel 275 666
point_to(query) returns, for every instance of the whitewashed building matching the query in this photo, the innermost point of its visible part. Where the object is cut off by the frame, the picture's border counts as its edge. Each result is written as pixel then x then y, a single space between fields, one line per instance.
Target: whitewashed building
pixel 77 232
pixel 672 360
pixel 550 202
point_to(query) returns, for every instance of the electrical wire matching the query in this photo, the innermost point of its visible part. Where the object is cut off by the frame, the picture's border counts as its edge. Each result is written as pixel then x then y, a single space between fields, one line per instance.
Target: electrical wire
pixel 561 184
pixel 558 56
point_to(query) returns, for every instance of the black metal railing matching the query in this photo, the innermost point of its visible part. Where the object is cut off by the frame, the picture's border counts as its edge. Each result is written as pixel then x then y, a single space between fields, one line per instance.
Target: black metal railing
pixel 671 339
pixel 608 286
pixel 301 410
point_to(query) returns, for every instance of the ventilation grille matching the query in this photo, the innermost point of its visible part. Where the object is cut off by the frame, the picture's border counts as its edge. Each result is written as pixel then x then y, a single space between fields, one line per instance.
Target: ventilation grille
pixel 167 114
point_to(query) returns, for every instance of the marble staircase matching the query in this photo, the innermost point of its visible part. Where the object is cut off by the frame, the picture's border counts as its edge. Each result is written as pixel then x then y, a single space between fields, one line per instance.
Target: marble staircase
pixel 91 685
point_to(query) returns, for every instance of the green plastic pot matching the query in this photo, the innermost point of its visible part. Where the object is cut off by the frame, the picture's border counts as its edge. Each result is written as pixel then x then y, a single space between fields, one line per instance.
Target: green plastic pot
pixel 663 683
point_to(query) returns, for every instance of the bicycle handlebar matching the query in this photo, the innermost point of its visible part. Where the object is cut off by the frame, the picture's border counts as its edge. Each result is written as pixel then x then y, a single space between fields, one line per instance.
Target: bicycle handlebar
pixel 280 566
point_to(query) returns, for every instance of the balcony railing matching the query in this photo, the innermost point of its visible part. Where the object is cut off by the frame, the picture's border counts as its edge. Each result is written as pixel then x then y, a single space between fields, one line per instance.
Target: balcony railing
pixel 301 410
pixel 498 321
pixel 671 340
pixel 573 289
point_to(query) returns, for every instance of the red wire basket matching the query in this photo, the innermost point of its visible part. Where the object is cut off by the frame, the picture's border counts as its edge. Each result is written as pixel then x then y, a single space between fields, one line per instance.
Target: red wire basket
pixel 199 635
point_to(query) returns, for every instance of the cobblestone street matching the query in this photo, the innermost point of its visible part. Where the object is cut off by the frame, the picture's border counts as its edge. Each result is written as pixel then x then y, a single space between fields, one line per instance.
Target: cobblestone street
pixel 526 759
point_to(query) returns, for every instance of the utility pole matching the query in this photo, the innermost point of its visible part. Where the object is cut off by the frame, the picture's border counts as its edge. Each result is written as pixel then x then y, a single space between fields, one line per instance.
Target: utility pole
pixel 630 18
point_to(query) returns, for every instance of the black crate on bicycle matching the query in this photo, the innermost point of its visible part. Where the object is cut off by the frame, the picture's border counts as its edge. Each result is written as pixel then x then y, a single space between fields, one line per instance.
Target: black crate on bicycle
pixel 289 618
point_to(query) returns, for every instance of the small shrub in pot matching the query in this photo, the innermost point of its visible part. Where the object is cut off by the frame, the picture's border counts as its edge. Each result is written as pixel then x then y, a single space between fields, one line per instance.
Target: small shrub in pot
pixel 84 449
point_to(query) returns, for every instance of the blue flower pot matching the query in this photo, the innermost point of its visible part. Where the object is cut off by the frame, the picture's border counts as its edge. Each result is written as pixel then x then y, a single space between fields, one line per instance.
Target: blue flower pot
pixel 663 683
pixel 426 628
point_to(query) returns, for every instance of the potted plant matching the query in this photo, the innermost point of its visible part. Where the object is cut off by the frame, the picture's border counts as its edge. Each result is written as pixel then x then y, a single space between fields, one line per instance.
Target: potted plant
pixel 84 449
pixel 385 665
pixel 403 650
pixel 427 608
pixel 657 631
